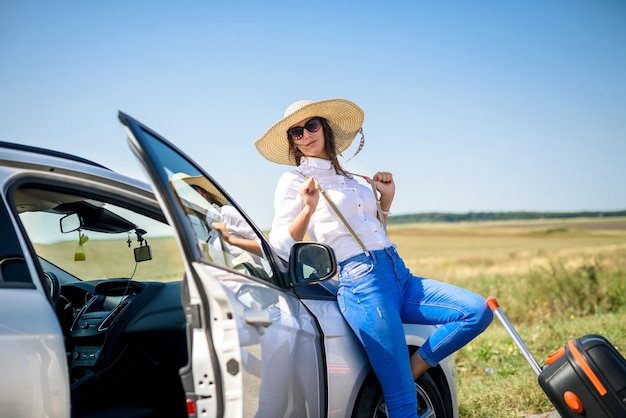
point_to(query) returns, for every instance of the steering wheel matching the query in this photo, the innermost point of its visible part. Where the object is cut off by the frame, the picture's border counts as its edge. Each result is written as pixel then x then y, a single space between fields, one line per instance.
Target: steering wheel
pixel 54 286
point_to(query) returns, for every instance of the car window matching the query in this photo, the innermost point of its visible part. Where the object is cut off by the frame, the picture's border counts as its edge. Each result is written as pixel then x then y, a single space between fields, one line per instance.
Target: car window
pixel 88 239
pixel 210 225
pixel 223 234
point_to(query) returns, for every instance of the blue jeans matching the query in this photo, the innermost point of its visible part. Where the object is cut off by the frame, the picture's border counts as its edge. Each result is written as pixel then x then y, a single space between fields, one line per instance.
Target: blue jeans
pixel 378 293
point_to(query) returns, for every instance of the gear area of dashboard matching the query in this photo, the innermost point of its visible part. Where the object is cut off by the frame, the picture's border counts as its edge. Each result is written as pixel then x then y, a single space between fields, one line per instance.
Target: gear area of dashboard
pixel 92 323
pixel 120 334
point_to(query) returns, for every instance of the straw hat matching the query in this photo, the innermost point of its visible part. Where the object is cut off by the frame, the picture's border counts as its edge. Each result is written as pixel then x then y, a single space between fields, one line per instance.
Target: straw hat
pixel 203 183
pixel 344 117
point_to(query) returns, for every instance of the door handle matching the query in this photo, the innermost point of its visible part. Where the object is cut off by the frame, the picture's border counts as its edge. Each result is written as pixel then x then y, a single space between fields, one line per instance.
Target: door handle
pixel 259 318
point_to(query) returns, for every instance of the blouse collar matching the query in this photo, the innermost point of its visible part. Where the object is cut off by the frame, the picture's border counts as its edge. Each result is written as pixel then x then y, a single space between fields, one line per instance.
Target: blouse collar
pixel 313 162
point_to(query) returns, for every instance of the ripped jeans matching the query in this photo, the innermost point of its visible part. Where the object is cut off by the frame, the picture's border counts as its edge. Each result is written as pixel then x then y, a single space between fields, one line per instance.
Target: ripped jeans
pixel 378 293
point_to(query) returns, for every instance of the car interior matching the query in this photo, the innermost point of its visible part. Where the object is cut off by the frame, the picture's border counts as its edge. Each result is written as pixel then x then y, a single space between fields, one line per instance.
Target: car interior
pixel 114 274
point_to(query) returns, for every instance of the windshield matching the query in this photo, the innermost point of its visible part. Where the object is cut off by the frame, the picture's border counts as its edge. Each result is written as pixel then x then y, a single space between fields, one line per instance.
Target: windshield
pixel 92 239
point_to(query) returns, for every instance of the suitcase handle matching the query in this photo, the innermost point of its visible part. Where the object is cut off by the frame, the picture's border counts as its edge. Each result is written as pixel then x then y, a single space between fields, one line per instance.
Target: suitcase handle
pixel 493 304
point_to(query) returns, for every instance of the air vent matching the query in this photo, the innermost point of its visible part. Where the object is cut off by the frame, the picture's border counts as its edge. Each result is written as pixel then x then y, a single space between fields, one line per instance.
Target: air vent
pixel 115 313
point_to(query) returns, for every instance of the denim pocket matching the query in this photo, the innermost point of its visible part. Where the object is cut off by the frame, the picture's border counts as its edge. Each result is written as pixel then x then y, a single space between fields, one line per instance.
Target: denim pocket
pixel 354 270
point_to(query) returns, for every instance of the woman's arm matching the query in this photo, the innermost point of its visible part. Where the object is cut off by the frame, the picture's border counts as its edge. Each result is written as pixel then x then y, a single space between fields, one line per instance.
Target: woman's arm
pixel 288 206
pixel 250 245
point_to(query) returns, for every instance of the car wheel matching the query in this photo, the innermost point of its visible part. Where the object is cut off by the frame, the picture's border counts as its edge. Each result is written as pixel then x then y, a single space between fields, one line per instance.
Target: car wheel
pixel 371 404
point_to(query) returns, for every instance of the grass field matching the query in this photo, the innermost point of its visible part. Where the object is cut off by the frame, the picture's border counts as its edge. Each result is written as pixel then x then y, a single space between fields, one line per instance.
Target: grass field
pixel 555 280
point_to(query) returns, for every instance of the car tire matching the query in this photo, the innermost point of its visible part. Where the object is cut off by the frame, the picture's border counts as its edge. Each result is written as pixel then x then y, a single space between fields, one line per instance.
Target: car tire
pixel 371 404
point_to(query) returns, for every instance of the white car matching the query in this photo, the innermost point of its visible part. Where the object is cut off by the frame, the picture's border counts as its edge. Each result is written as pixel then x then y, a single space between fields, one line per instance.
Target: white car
pixel 121 299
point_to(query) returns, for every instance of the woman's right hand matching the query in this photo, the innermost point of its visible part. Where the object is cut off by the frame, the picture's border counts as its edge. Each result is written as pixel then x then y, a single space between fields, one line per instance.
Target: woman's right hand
pixel 309 192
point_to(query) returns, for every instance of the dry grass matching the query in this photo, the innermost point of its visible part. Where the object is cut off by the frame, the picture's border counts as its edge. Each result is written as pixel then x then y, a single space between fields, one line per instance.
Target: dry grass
pixel 556 280
pixel 113 258
pixel 467 250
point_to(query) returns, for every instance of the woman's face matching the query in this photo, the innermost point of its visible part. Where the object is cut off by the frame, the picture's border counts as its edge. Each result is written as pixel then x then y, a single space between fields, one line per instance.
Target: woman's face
pixel 309 143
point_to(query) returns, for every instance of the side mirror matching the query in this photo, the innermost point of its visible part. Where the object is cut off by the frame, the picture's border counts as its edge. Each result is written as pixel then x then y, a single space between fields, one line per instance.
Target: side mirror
pixel 311 262
pixel 70 223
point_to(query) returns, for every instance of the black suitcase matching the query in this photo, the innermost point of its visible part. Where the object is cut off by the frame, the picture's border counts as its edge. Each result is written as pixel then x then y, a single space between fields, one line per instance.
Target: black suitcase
pixel 584 378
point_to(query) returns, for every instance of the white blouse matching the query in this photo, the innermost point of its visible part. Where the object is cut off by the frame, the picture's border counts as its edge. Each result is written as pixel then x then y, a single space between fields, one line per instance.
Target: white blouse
pixel 354 199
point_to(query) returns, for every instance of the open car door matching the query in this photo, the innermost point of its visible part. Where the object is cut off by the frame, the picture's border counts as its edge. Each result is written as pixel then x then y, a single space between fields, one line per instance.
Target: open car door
pixel 253 348
pixel 211 378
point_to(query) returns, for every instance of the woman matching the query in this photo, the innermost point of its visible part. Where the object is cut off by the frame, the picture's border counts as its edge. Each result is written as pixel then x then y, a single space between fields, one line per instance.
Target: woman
pixel 377 292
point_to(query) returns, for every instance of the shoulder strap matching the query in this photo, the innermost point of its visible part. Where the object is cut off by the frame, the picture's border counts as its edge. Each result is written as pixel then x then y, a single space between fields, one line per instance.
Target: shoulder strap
pixel 341 217
pixel 381 215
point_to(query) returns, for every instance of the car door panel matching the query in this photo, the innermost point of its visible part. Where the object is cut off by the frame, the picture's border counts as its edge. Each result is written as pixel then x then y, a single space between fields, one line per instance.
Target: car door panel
pixel 255 349
pixel 31 339
pixel 31 336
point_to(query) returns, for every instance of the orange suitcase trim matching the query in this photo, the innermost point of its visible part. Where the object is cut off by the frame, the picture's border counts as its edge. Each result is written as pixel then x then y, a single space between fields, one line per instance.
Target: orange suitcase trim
pixel 587 369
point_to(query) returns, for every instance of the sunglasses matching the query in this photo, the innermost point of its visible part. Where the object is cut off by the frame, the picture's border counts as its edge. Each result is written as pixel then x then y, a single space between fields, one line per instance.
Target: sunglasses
pixel 297 132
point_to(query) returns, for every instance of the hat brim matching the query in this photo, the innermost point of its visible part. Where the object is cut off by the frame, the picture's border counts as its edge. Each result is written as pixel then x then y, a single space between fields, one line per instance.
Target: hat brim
pixel 344 117
pixel 204 183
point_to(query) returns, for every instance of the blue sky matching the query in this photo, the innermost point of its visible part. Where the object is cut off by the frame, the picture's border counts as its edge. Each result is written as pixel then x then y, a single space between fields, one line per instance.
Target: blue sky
pixel 473 105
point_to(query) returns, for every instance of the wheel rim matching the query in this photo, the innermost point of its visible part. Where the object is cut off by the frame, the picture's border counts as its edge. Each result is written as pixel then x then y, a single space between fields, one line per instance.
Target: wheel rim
pixel 425 407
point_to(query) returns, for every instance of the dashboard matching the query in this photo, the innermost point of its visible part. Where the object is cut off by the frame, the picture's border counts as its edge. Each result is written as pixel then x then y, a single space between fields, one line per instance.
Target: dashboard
pixel 106 320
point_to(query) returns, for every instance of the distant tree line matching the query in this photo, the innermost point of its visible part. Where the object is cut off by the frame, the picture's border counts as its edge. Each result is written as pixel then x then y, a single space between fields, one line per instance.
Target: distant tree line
pixel 496 216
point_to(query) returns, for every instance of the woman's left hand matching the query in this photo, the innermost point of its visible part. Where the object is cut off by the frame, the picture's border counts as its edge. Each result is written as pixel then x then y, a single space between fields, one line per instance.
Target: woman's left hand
pixel 384 184
pixel 383 180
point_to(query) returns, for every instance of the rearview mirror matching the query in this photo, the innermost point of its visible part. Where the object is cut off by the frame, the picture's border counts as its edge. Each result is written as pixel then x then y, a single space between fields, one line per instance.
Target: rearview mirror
pixel 70 223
